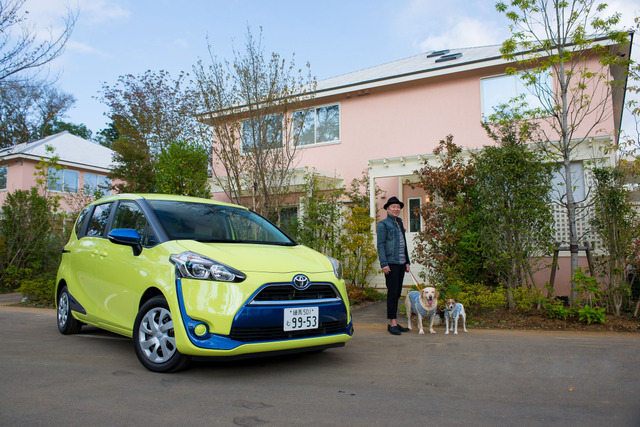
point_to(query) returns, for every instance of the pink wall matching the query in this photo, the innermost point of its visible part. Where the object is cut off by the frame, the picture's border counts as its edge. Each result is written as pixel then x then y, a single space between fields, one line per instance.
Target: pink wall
pixel 562 282
pixel 20 176
pixel 410 119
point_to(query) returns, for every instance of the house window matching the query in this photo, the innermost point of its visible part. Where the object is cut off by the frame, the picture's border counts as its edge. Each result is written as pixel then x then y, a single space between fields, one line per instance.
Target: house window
pixel 317 125
pixel 98 185
pixel 262 133
pixel 3 177
pixel 62 180
pixel 415 220
pixel 501 89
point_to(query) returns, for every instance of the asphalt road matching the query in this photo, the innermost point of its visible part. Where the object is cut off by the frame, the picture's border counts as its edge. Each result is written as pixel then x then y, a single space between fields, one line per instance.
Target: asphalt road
pixel 479 378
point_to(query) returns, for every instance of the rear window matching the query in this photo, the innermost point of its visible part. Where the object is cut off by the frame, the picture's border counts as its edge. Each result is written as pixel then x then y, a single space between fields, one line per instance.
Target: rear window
pixel 215 223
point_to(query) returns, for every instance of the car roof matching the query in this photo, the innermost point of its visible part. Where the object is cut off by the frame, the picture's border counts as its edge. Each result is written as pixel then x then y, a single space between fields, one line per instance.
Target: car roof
pixel 168 197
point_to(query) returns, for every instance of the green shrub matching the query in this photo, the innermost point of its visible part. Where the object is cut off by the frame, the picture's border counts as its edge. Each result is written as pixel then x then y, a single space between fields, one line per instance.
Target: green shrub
pixel 526 298
pixel 591 314
pixel 39 291
pixel 14 276
pixel 555 309
pixel 359 295
pixel 478 297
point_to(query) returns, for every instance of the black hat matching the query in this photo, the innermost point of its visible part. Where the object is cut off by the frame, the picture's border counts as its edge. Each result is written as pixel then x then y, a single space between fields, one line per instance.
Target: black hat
pixel 393 201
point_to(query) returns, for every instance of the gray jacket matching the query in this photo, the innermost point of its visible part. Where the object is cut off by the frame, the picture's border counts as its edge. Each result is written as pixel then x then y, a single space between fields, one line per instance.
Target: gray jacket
pixel 388 242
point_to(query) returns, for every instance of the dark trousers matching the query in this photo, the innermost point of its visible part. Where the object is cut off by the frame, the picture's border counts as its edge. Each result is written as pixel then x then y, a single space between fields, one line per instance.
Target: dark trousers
pixel 393 281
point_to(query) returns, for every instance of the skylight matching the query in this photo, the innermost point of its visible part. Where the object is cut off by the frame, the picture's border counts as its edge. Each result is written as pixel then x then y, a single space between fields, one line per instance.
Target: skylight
pixel 451 57
pixel 438 53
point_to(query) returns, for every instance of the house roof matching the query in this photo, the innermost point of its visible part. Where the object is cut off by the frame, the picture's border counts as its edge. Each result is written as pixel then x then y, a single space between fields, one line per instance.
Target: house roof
pixel 425 65
pixel 71 150
pixel 416 67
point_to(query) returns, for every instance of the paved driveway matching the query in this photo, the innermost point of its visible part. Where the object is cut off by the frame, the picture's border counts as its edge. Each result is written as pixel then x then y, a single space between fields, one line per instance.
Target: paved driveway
pixel 479 378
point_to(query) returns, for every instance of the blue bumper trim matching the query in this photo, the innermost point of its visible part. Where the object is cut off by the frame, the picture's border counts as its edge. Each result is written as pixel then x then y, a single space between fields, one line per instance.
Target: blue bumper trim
pixel 257 316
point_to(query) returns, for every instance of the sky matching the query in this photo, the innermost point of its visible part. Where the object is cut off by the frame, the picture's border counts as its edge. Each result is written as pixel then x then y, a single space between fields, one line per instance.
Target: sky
pixel 120 37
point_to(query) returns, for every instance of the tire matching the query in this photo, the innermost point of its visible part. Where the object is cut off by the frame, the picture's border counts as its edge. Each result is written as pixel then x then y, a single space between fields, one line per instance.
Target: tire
pixel 154 339
pixel 66 323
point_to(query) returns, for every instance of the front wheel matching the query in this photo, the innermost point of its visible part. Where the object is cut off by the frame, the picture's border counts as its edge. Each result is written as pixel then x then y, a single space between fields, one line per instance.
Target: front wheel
pixel 66 323
pixel 154 339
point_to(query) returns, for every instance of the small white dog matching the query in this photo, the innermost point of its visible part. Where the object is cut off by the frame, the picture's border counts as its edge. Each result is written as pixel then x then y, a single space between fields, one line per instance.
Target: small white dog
pixel 423 303
pixel 454 310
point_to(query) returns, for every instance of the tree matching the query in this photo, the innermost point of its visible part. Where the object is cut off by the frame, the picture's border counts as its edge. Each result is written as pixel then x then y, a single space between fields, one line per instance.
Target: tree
pixel 183 169
pixel 615 221
pixel 31 229
pixel 319 220
pixel 513 187
pixel 148 113
pixel 249 105
pixel 58 126
pixel 29 110
pixel 21 49
pixel 449 245
pixel 549 37
pixel 107 136
pixel 358 252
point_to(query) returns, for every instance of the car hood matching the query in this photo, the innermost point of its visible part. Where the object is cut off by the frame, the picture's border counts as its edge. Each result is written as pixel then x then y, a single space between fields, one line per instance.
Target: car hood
pixel 262 258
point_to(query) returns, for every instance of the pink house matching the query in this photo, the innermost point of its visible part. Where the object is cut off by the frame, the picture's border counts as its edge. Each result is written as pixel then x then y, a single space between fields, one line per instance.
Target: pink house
pixel 388 119
pixel 83 165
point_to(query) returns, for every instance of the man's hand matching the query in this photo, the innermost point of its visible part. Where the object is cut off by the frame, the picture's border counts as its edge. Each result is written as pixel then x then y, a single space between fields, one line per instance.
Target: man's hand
pixel 386 270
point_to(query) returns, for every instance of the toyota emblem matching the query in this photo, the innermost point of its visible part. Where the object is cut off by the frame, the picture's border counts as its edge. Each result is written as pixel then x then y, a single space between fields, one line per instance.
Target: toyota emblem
pixel 300 282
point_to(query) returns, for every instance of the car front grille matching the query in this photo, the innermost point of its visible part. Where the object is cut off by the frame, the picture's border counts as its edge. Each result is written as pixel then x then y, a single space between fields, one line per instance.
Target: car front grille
pixel 289 293
pixel 276 333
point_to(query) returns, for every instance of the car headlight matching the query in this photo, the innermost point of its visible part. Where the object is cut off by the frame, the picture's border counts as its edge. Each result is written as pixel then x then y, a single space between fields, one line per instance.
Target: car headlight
pixel 337 267
pixel 194 266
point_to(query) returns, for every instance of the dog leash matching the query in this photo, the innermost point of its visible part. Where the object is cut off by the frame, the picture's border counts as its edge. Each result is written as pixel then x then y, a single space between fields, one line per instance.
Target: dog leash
pixel 415 281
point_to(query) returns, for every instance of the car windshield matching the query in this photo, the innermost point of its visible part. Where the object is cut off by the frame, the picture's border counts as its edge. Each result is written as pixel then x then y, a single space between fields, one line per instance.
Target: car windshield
pixel 216 223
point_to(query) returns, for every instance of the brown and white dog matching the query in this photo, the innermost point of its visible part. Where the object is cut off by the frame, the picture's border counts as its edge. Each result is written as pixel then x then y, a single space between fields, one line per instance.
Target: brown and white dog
pixel 454 310
pixel 423 303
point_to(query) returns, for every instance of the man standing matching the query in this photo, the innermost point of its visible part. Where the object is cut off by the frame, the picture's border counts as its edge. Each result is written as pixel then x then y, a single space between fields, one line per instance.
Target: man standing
pixel 394 259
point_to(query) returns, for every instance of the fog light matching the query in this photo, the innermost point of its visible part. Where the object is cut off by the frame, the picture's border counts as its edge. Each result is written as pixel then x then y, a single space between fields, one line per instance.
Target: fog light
pixel 200 330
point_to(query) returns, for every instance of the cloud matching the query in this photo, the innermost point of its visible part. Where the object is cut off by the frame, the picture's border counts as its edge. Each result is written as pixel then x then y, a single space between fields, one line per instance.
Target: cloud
pixel 180 44
pixel 98 11
pixel 84 48
pixel 467 32
pixel 438 24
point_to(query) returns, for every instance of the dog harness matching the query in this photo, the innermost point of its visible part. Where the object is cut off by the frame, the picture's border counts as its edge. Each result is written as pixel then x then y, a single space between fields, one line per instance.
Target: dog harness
pixel 414 297
pixel 455 312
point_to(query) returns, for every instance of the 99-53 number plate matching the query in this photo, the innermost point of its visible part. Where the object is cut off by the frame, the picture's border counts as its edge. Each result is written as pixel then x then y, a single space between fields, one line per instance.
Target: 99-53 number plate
pixel 300 318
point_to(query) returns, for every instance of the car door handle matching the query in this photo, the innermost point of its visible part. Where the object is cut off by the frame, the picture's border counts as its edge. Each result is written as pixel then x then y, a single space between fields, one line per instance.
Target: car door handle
pixel 100 254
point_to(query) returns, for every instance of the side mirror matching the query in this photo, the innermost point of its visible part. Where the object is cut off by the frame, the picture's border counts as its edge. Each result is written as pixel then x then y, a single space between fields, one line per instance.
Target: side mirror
pixel 127 237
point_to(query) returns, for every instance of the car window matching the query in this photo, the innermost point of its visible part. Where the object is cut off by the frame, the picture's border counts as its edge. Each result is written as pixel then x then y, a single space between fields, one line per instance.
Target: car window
pixel 98 221
pixel 215 223
pixel 130 215
pixel 80 222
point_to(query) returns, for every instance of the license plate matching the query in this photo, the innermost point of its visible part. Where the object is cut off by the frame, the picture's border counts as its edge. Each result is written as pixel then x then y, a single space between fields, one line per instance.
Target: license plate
pixel 298 319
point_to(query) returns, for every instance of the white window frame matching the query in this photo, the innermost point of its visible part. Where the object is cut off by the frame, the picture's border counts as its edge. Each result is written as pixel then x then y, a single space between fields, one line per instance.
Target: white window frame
pixel 315 109
pixel 103 183
pixel 512 83
pixel 63 178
